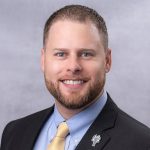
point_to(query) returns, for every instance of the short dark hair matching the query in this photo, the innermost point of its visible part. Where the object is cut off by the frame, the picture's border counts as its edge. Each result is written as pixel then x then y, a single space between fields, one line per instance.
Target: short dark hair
pixel 77 13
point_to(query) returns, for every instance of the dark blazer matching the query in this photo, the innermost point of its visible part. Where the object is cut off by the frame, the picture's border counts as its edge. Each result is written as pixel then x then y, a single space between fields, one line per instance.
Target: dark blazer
pixel 114 129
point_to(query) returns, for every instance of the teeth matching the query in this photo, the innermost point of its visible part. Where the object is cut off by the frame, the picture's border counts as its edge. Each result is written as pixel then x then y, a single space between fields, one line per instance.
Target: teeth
pixel 73 82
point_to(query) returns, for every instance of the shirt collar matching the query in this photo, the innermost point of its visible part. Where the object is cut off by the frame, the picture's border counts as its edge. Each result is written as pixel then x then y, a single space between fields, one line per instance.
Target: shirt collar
pixel 57 117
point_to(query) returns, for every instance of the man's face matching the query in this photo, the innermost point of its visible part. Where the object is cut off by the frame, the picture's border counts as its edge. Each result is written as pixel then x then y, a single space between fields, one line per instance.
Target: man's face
pixel 75 63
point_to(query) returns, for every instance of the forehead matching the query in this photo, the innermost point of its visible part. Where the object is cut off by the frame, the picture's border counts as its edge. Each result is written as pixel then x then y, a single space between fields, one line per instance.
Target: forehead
pixel 74 30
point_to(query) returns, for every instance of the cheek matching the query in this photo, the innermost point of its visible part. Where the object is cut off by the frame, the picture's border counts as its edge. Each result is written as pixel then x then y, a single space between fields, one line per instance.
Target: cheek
pixel 53 69
pixel 96 71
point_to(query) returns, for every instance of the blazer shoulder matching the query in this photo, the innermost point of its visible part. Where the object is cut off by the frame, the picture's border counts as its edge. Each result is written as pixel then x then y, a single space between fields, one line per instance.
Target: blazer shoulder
pixel 129 122
pixel 124 120
pixel 127 131
pixel 14 129
pixel 32 117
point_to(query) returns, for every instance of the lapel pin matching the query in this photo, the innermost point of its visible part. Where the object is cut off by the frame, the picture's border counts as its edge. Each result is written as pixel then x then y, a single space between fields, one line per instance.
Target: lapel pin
pixel 95 139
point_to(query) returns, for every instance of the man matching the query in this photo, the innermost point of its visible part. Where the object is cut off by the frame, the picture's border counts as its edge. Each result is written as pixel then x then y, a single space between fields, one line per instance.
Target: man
pixel 75 59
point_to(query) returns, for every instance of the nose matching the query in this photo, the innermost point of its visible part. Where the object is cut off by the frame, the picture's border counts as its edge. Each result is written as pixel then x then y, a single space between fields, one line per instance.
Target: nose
pixel 74 65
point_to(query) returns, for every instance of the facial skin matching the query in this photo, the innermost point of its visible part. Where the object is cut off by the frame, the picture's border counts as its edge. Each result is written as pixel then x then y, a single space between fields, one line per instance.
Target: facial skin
pixel 75 64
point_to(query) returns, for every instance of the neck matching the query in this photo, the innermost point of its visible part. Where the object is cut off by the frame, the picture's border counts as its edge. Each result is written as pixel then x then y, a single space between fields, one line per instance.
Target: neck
pixel 68 113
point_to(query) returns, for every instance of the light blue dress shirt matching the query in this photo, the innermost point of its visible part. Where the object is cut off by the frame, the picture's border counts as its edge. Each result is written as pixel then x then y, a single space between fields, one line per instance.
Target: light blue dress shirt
pixel 78 125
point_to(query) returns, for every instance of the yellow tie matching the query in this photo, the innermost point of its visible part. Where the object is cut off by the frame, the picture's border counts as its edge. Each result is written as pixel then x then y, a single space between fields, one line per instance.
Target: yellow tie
pixel 58 142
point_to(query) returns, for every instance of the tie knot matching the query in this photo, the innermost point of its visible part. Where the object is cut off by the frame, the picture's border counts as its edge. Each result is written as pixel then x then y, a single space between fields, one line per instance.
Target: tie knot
pixel 62 130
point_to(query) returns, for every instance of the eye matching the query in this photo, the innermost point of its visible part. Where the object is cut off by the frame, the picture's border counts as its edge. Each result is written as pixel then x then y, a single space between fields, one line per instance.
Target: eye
pixel 60 54
pixel 86 54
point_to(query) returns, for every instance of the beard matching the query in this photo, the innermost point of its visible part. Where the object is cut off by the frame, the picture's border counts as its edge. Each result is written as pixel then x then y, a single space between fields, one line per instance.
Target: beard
pixel 76 100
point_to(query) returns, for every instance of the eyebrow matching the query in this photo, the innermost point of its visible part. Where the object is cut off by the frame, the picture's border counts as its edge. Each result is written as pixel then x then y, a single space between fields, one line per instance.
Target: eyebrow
pixel 61 49
pixel 80 49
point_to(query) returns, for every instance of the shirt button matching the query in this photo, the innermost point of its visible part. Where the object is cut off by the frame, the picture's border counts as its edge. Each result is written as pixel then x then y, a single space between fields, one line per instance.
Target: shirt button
pixel 76 142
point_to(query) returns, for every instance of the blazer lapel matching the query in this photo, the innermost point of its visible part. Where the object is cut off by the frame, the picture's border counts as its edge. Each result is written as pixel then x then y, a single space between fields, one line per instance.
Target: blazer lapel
pixel 96 137
pixel 35 125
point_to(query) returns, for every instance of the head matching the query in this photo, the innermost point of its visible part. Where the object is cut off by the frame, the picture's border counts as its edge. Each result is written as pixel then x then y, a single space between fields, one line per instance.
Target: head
pixel 75 56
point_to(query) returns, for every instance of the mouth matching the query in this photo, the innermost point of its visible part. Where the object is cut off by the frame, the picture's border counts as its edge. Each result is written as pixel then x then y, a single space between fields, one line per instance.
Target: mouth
pixel 73 82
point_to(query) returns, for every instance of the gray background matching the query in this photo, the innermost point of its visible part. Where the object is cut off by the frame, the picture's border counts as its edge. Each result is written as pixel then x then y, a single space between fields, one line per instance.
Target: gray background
pixel 22 88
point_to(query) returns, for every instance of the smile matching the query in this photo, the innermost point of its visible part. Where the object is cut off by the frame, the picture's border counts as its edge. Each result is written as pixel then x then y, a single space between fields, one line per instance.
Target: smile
pixel 73 82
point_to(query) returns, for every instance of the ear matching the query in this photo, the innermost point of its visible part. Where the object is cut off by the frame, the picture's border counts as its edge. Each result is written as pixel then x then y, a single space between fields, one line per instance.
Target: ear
pixel 42 59
pixel 108 60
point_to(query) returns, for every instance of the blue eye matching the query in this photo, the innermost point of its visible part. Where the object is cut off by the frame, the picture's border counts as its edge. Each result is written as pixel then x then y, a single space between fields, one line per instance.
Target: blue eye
pixel 60 54
pixel 86 54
